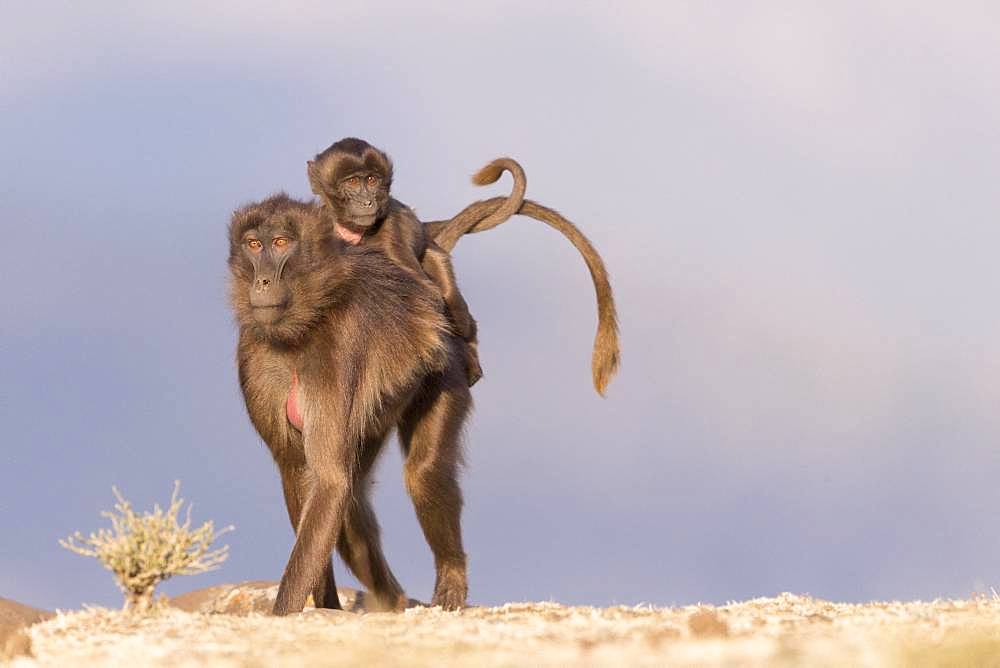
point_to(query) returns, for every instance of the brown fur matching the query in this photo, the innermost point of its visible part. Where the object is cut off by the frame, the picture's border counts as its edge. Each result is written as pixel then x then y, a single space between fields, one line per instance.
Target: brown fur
pixel 482 216
pixel 394 229
pixel 370 349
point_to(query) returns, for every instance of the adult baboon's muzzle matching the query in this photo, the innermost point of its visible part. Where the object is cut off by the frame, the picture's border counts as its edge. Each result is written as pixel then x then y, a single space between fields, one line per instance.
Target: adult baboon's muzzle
pixel 268 292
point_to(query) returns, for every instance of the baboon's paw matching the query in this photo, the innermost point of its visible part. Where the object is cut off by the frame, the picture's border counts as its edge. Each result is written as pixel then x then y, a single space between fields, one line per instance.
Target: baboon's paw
pixel 451 592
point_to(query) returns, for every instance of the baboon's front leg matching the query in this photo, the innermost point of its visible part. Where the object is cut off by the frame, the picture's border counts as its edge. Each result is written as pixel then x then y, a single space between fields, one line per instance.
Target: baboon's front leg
pixel 294 484
pixel 330 463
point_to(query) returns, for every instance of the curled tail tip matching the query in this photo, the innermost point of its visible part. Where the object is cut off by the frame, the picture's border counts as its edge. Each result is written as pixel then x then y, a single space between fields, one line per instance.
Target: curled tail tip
pixel 494 170
pixel 489 174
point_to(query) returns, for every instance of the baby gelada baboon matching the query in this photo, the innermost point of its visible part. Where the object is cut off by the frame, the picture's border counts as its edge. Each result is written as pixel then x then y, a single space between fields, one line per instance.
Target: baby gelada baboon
pixel 352 179
pixel 337 345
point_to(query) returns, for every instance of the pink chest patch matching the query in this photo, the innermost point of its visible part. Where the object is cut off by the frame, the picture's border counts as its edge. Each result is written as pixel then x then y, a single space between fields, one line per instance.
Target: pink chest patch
pixel 292 404
pixel 353 238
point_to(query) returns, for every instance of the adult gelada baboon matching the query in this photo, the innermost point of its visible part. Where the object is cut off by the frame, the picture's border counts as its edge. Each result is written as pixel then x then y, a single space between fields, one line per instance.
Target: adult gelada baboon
pixel 337 345
pixel 353 179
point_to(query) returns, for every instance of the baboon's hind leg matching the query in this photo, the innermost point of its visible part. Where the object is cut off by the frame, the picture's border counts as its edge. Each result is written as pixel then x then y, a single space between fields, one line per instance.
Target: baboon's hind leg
pixel 360 543
pixel 430 434
pixel 360 547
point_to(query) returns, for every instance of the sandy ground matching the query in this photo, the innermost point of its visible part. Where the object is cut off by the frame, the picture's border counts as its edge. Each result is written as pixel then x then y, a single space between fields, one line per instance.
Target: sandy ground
pixel 222 627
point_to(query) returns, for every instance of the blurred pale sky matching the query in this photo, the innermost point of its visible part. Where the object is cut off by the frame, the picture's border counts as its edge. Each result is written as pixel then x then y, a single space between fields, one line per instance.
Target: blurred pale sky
pixel 797 203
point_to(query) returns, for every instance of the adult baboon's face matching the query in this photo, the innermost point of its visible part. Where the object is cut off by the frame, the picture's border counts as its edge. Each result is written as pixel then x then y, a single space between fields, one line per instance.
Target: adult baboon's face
pixel 266 244
pixel 284 268
pixel 269 249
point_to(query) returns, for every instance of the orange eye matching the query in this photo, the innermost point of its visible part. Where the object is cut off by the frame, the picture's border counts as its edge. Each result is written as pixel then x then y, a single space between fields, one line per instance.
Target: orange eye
pixel 254 244
pixel 280 242
pixel 353 182
pixel 373 180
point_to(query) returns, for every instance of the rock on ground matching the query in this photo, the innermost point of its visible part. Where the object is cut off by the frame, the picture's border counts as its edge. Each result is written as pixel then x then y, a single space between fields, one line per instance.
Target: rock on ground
pixel 14 619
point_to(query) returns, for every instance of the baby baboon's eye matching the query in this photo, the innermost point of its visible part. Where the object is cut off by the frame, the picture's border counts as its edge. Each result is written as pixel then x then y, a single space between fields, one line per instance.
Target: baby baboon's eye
pixel 353 182
pixel 373 180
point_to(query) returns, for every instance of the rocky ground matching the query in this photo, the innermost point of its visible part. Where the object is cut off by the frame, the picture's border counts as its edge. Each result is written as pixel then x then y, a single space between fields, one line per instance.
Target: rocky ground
pixel 227 626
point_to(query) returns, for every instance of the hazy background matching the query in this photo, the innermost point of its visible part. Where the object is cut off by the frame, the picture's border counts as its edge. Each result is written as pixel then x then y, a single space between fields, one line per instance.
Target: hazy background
pixel 798 206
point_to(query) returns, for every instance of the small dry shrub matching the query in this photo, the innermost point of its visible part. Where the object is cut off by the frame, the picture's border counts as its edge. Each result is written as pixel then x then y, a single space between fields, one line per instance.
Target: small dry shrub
pixel 144 550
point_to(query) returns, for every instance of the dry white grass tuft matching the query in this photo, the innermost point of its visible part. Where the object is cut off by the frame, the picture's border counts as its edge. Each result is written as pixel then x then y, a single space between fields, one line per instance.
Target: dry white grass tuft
pixel 144 550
